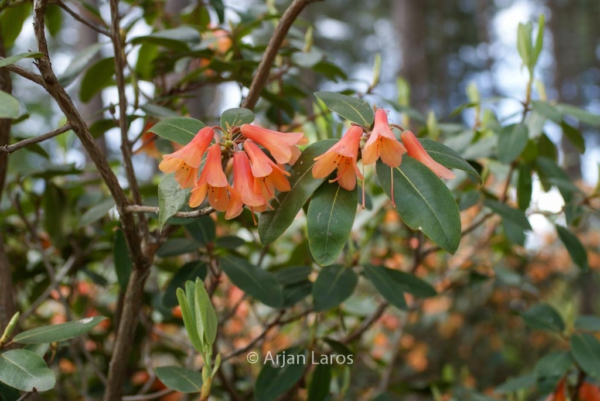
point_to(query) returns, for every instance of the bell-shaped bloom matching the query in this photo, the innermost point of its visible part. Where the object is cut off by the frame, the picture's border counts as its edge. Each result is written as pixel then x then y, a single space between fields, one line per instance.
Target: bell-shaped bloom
pixel 383 143
pixel 416 150
pixel 280 145
pixel 268 176
pixel 186 161
pixel 341 156
pixel 148 146
pixel 212 182
pixel 243 181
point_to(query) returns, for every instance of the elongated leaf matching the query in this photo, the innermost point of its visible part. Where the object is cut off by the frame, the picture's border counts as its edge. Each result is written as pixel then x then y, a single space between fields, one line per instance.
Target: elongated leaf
pixel 574 247
pixel 122 260
pixel 506 212
pixel 177 129
pixel 180 38
pixel 580 114
pixel 554 364
pixel 203 229
pixel 547 110
pixel 516 383
pixel 351 108
pixel 171 198
pixel 236 117
pixel 544 317
pixel 524 186
pixel 330 216
pixel 273 381
pixel 287 204
pixel 56 216
pixel 177 246
pixel 293 274
pixel 207 313
pixel 391 283
pixel 294 293
pixel 186 302
pixel 334 284
pixel 96 78
pixel 180 379
pixel 539 41
pixel 9 106
pixel 574 136
pixel 585 349
pixel 96 212
pixel 423 201
pixel 190 271
pixel 588 322
pixel 512 142
pixel 256 282
pixel 448 157
pixel 319 385
pixel 79 63
pixel 13 59
pixel 26 371
pixel 58 332
pixel 386 286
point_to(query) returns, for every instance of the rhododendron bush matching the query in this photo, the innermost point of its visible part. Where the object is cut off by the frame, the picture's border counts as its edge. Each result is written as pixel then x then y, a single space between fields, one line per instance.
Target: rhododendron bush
pixel 302 245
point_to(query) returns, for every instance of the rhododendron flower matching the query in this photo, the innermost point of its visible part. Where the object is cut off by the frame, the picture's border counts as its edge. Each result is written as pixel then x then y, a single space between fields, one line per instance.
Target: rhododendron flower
pixel 185 162
pixel 416 150
pixel 242 192
pixel 282 146
pixel 343 156
pixel 382 143
pixel 212 182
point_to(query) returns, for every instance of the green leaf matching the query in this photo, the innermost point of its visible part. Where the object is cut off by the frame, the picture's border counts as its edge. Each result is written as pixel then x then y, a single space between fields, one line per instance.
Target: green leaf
pixel 511 142
pixel 330 217
pixel 319 385
pixel 207 314
pixel 96 78
pixel 585 349
pixel 274 381
pixel 547 110
pixel 39 349
pixel 351 108
pixel 177 129
pixel 287 204
pixel 580 114
pixel 53 19
pixel 517 383
pixel 524 45
pixel 188 272
pixel 524 186
pixel 176 247
pixel 186 303
pixel 122 260
pixel 513 232
pixel 389 280
pixel 171 198
pixel 12 20
pixel 235 118
pixel 574 136
pixel 180 379
pixel 448 157
pixel 506 212
pixel 13 59
pixel 219 9
pixel 539 41
pixel 56 216
pixel 181 38
pixel 158 111
pixel 588 322
pixel 544 317
pixel 9 106
pixel 423 201
pixel 26 371
pixel 551 173
pixel 294 293
pixel 96 212
pixel 202 229
pixel 554 364
pixel 145 65
pixel 574 247
pixel 334 284
pixel 258 283
pixel 58 332
pixel 293 274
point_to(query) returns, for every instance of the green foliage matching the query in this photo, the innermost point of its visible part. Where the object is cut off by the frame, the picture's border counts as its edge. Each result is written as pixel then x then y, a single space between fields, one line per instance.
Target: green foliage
pixel 177 129
pixel 334 284
pixel 356 110
pixel 25 371
pixel 180 379
pixel 58 332
pixel 9 106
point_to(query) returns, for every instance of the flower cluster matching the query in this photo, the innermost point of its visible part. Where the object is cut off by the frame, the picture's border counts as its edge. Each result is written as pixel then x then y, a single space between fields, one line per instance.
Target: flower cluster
pixel 381 144
pixel 202 164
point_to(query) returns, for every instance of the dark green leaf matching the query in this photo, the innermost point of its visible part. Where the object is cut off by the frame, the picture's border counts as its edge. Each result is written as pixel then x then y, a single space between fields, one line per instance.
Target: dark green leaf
pixel 274 381
pixel 338 347
pixel 448 157
pixel 9 106
pixel 423 201
pixel 514 232
pixel 180 379
pixel 180 38
pixel 293 274
pixel 511 142
pixel 177 246
pixel 294 293
pixel 235 118
pixel 12 20
pixel 53 19
pixel 550 173
pixel 574 136
pixel 58 332
pixel 386 285
pixel 516 383
pixel 574 247
pixel 190 271
pixel 547 110
pixel 588 322
pixel 171 198
pixel 319 385
pixel 583 116
pixel 158 111
pixel 56 214
pixel 96 212
pixel 287 204
pixel 351 108
pixel 330 71
pixel 516 216
pixel 585 349
pixel 230 242
pixel 80 62
pixel 330 217
pixel 96 78
pixel 13 59
pixel 544 317
pixel 334 284
pixel 25 370
pixel 547 148
pixel 385 279
pixel 203 229
pixel 219 9
pixel 524 186
pixel 122 260
pixel 177 129
pixel 554 364
pixel 251 279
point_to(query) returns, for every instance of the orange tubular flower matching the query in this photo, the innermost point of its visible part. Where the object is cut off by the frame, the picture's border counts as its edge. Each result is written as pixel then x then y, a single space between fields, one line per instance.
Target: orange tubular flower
pixel 186 161
pixel 383 143
pixel 279 144
pixel 212 181
pixel 343 156
pixel 416 150
pixel 268 176
pixel 242 192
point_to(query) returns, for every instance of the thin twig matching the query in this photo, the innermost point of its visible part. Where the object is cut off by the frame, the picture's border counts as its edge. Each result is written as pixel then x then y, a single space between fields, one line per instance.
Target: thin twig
pixel 32 76
pixel 79 18
pixel 366 324
pixel 186 215
pixel 26 142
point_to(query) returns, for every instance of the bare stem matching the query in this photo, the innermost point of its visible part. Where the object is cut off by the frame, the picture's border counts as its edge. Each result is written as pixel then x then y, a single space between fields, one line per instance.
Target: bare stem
pixel 26 142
